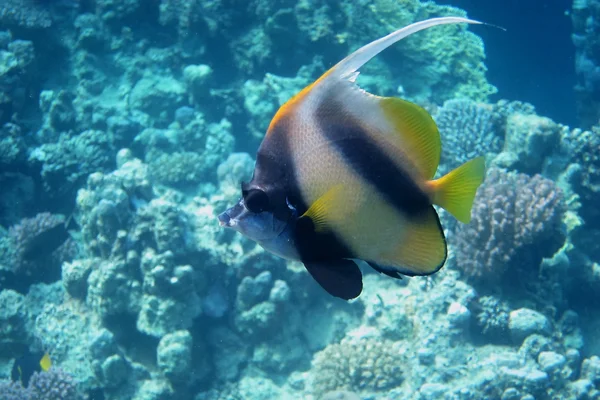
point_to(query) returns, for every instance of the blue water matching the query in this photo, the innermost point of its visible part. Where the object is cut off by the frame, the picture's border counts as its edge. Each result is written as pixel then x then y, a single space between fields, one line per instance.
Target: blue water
pixel 126 128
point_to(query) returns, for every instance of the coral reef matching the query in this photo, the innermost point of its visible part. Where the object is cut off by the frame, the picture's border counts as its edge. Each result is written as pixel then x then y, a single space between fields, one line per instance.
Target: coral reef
pixel 128 126
pixel 367 364
pixel 69 161
pixel 586 25
pixel 14 333
pixel 468 130
pixel 168 156
pixel 530 142
pixel 35 248
pixel 13 391
pixel 17 73
pixel 25 13
pixel 516 221
pixel 493 316
pixel 53 384
pixel 582 147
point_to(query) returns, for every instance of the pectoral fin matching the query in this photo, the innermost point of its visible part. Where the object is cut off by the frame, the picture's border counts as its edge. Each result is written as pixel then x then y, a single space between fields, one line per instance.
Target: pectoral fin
pixel 340 278
pixel 326 208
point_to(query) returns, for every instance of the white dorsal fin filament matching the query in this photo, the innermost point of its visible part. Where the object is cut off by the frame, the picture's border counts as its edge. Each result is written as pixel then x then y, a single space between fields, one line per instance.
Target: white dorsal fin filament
pixel 348 67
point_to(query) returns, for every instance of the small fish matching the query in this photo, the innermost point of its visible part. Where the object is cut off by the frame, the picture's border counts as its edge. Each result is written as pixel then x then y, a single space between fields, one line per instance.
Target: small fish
pixel 45 362
pixel 27 364
pixel 46 241
pixel 343 175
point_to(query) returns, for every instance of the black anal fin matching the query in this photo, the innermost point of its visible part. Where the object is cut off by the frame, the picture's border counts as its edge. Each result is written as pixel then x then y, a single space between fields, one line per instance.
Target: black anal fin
pixel 383 270
pixel 340 278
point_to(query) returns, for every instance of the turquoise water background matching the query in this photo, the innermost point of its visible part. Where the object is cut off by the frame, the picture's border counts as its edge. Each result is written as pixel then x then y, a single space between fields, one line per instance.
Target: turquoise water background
pixel 126 127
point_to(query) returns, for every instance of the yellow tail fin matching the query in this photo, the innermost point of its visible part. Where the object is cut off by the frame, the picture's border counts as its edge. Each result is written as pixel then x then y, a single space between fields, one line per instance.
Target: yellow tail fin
pixel 456 190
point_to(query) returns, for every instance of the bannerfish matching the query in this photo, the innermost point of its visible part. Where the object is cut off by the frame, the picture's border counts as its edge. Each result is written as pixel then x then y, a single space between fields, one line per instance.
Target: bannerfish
pixel 28 363
pixel 343 175
pixel 44 242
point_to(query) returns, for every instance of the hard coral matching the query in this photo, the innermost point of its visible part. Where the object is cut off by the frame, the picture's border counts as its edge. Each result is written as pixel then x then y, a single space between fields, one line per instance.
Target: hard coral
pixel 369 364
pixel 67 163
pixel 13 322
pixel 107 206
pixel 437 64
pixel 493 315
pixel 586 27
pixel 53 384
pixel 516 221
pixel 583 147
pixel 36 247
pixel 25 14
pixel 184 156
pixel 17 76
pixel 13 391
pixel 468 129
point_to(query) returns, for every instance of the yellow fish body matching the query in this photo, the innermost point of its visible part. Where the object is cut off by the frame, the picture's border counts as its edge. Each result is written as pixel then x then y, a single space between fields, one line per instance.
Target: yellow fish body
pixel 344 175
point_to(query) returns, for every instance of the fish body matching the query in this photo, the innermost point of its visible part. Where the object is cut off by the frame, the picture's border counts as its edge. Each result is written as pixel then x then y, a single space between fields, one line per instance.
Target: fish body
pixel 45 242
pixel 344 175
pixel 29 363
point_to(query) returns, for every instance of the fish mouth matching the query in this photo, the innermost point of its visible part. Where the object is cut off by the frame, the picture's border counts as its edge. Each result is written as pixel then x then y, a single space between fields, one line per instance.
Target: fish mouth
pixel 225 220
pixel 230 217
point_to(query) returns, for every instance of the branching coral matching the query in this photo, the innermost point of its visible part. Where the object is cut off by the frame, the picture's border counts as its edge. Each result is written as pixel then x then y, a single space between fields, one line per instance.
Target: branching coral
pixel 493 315
pixel 516 221
pixel 468 130
pixel 53 385
pixel 13 391
pixel 46 385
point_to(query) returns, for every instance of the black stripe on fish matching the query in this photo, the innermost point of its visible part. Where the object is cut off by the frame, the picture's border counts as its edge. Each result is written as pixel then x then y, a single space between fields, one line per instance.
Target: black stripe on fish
pixel 365 157
pixel 327 260
pixel 318 247
pixel 274 172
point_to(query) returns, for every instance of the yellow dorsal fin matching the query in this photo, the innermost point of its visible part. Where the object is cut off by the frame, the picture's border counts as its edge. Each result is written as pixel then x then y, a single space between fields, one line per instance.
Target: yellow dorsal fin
pixel 45 362
pixel 416 134
pixel 326 208
pixel 289 106
pixel 422 251
pixel 456 190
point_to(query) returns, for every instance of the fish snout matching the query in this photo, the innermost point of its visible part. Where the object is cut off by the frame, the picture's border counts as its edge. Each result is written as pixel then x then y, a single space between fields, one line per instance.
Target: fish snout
pixel 231 217
pixel 224 219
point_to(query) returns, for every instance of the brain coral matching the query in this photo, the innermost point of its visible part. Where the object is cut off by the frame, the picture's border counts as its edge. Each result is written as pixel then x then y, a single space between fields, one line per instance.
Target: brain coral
pixel 516 221
pixel 369 364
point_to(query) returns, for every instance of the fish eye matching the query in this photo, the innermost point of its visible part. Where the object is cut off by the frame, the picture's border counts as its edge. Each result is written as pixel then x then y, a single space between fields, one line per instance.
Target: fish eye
pixel 245 188
pixel 256 200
